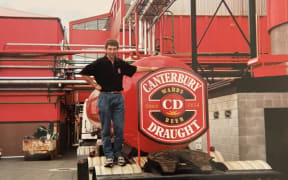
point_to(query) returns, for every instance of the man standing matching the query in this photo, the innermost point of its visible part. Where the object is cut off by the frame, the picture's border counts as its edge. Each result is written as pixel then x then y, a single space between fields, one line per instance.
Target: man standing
pixel 108 72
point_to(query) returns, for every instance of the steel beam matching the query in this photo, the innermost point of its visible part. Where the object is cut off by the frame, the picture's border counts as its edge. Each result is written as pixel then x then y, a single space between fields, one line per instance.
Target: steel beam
pixel 252 29
pixel 194 36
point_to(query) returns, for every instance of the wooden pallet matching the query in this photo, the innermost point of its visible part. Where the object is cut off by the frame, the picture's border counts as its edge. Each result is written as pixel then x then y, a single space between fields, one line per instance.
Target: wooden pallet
pixel 98 163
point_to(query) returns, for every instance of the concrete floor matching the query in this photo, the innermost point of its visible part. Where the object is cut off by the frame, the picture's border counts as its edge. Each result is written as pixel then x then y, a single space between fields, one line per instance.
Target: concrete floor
pixel 61 168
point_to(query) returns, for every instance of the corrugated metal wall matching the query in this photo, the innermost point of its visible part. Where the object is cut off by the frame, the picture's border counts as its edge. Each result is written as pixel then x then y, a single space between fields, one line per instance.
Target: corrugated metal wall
pixel 208 7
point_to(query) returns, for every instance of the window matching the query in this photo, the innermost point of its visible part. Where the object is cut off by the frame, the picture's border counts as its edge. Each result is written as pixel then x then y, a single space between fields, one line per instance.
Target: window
pixel 99 24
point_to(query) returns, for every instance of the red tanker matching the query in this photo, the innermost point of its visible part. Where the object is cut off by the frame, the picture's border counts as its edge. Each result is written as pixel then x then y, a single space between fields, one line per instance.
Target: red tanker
pixel 165 109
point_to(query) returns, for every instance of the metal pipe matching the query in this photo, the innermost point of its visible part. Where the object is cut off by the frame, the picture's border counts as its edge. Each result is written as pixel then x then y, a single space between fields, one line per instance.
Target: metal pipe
pixel 216 54
pixel 50 60
pixel 219 84
pixel 123 35
pixel 131 8
pixel 31 78
pixel 67 88
pixel 28 102
pixel 252 29
pixel 33 94
pixel 149 41
pixel 130 34
pixel 153 38
pixel 43 82
pixel 44 60
pixel 36 89
pixel 136 32
pixel 80 87
pixel 49 102
pixel 146 8
pixel 60 45
pixel 164 10
pixel 140 34
pixel 80 61
pixel 54 52
pixel 161 37
pixel 172 33
pixel 39 67
pixel 145 37
pixel 194 36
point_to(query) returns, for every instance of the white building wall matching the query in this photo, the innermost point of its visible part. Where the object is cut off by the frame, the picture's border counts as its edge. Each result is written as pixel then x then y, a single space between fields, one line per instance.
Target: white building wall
pixel 242 136
pixel 208 7
pixel 224 131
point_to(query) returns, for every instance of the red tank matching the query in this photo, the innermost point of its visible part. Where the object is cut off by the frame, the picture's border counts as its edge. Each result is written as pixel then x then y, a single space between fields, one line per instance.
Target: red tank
pixel 92 108
pixel 165 109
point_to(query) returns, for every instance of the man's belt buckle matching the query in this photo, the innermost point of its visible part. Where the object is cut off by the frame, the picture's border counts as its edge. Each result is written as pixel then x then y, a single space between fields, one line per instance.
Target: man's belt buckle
pixel 112 92
pixel 116 92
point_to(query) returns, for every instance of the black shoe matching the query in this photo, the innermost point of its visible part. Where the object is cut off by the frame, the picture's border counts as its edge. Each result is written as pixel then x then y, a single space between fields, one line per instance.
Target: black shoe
pixel 109 163
pixel 121 161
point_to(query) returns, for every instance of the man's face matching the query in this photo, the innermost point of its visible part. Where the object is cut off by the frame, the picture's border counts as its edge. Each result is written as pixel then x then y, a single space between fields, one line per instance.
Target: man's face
pixel 111 51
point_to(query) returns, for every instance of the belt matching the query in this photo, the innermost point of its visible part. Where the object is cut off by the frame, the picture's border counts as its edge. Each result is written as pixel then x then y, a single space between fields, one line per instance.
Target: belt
pixel 111 92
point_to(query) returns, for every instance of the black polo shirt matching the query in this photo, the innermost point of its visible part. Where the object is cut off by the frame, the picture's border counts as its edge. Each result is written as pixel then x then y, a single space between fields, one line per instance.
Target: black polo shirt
pixel 109 75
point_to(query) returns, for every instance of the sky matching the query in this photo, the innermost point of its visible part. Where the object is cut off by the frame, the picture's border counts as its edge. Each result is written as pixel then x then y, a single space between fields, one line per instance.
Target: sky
pixel 66 10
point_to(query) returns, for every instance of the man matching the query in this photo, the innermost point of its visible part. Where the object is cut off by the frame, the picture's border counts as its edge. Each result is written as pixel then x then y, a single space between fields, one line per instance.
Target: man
pixel 108 72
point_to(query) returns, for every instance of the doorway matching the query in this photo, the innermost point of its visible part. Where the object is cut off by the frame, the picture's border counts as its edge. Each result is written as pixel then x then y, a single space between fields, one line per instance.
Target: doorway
pixel 276 128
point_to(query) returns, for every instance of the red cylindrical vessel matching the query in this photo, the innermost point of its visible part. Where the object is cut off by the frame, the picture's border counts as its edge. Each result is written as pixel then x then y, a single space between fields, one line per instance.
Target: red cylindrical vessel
pixel 92 108
pixel 132 132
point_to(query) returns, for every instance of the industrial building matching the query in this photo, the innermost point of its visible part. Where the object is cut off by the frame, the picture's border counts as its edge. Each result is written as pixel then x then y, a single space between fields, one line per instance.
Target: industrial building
pixel 239 47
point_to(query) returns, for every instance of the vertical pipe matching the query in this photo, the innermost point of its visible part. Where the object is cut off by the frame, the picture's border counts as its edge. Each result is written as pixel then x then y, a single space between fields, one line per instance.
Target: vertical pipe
pixel 138 148
pixel 130 35
pixel 136 30
pixel 123 37
pixel 145 37
pixel 161 36
pixel 208 141
pixel 140 33
pixel 173 36
pixel 149 39
pixel 252 29
pixel 194 35
pixel 153 38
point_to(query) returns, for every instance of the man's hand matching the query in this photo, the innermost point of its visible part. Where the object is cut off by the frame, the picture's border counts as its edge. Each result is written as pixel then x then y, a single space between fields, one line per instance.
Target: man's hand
pixel 91 81
pixel 98 87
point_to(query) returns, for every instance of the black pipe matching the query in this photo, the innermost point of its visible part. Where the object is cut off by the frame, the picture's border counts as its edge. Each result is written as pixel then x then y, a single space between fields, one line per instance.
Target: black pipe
pixel 194 36
pixel 252 28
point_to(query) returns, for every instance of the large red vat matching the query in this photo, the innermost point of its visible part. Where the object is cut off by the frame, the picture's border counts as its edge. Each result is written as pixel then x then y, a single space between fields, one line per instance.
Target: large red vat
pixel 187 127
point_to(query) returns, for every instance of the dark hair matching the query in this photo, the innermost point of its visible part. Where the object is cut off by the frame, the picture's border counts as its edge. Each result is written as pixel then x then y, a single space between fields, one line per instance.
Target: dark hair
pixel 111 42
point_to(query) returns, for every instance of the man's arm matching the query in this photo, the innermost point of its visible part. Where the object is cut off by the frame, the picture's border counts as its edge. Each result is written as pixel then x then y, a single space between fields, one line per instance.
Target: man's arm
pixel 143 69
pixel 92 82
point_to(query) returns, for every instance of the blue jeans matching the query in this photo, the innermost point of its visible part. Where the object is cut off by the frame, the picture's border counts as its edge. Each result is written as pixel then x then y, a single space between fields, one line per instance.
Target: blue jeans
pixel 111 107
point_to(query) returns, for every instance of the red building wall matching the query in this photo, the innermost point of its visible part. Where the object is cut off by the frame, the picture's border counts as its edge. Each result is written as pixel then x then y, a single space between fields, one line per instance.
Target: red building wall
pixel 29 107
pixel 117 14
pixel 222 36
pixel 23 111
pixel 29 30
pixel 94 37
